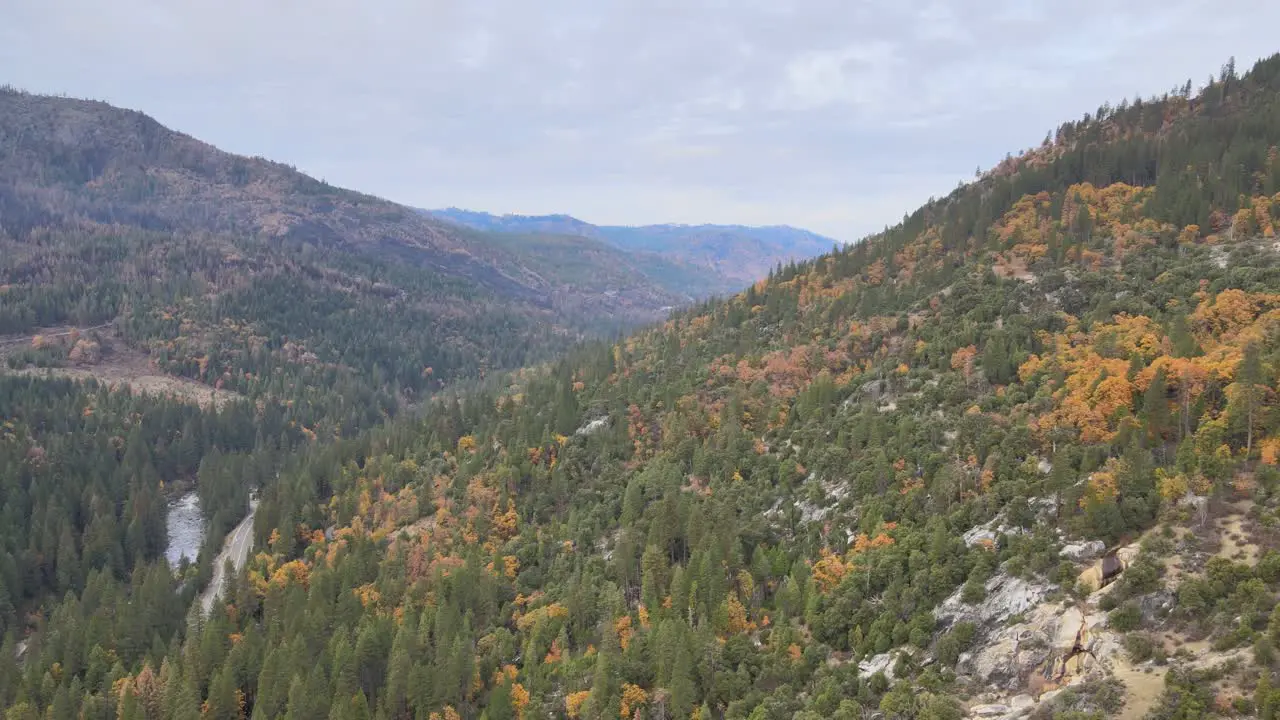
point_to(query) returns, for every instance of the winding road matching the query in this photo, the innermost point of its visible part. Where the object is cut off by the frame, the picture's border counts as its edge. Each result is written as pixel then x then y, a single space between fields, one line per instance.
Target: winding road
pixel 235 548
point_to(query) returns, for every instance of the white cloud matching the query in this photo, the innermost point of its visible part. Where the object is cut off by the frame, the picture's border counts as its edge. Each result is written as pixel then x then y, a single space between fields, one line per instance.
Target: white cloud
pixel 861 75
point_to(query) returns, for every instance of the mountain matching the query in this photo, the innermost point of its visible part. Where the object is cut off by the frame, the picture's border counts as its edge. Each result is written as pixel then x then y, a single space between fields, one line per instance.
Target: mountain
pixel 224 268
pixel 737 254
pixel 529 224
pixel 1015 457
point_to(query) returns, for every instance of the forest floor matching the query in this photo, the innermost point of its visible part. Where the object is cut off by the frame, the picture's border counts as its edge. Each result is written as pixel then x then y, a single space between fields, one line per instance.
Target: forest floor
pixel 1143 687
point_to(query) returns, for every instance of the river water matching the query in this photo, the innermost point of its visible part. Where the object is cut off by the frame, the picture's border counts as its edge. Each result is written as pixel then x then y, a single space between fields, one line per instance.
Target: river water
pixel 186 529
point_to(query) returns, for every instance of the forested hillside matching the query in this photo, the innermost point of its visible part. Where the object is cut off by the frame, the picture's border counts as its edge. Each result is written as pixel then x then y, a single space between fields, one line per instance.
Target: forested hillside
pixel 248 275
pixel 875 482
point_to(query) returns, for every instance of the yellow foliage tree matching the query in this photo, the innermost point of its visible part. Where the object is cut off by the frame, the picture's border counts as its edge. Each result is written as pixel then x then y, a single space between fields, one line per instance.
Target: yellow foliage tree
pixel 622 626
pixel 1271 451
pixel 829 571
pixel 1102 486
pixel 1171 485
pixel 633 697
pixel 519 699
pixel 738 621
pixel 573 703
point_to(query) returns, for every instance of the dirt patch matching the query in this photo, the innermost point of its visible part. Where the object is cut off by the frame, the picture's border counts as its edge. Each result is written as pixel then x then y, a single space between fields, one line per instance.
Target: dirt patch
pixel 1233 534
pixel 1174 643
pixel 123 366
pixel 1143 687
pixel 1014 267
pixel 145 384
pixel 18 341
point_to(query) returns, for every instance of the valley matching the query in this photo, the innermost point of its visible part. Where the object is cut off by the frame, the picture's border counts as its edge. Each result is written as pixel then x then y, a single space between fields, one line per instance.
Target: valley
pixel 1016 456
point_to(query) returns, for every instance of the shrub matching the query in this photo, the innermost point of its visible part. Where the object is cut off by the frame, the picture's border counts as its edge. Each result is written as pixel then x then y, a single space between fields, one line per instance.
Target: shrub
pixel 1140 647
pixel 1125 618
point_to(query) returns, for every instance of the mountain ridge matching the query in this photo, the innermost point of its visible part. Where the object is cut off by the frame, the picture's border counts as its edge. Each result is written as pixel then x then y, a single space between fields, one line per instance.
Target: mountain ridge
pixel 739 254
pixel 186 230
pixel 480 216
pixel 110 165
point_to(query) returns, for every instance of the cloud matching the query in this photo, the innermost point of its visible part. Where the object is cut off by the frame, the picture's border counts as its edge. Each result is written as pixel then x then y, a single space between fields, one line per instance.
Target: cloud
pixel 839 115
pixel 860 75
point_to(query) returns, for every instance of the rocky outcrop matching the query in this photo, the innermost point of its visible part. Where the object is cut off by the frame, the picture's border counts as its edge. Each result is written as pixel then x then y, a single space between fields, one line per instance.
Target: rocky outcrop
pixel 883 662
pixel 1083 551
pixel 990 531
pixel 1006 596
pixel 592 427
pixel 1019 706
pixel 1104 571
pixel 1019 667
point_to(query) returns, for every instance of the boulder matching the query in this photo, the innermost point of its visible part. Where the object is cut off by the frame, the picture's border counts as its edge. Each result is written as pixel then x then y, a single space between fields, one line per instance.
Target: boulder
pixel 592 427
pixel 878 663
pixel 1157 605
pixel 1083 551
pixel 875 388
pixel 988 711
pixel 979 535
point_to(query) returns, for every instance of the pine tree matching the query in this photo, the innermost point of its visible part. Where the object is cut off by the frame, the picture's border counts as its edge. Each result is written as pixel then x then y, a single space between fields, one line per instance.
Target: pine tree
pixel 683 690
pixel 499 706
pixel 1155 408
pixel 1264 698
pixel 1249 393
pixel 273 685
pixel 130 708
pixel 223 701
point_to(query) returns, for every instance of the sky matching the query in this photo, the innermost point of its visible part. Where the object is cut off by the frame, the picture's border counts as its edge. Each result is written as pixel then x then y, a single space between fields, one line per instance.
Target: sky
pixel 839 116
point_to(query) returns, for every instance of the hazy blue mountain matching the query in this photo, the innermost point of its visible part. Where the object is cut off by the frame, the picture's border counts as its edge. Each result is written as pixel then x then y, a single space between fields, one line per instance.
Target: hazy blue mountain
pixel 736 254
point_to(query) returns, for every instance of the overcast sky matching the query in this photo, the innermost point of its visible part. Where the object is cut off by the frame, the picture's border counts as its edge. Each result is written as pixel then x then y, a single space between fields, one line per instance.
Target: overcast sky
pixel 835 115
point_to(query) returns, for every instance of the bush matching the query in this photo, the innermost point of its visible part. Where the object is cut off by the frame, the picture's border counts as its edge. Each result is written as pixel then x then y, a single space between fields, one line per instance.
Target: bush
pixel 1264 653
pixel 1269 567
pixel 1125 618
pixel 954 642
pixel 1142 577
pixel 1140 647
pixel 1066 574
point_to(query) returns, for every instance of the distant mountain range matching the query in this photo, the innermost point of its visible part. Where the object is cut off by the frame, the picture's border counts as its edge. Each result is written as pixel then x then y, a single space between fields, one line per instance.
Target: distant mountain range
pixel 736 255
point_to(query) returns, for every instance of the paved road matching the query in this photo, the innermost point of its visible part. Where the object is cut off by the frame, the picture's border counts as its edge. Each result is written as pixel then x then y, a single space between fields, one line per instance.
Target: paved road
pixel 235 547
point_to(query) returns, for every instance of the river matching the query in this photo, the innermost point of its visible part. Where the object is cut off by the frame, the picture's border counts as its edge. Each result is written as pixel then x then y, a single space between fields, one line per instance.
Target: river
pixel 186 528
